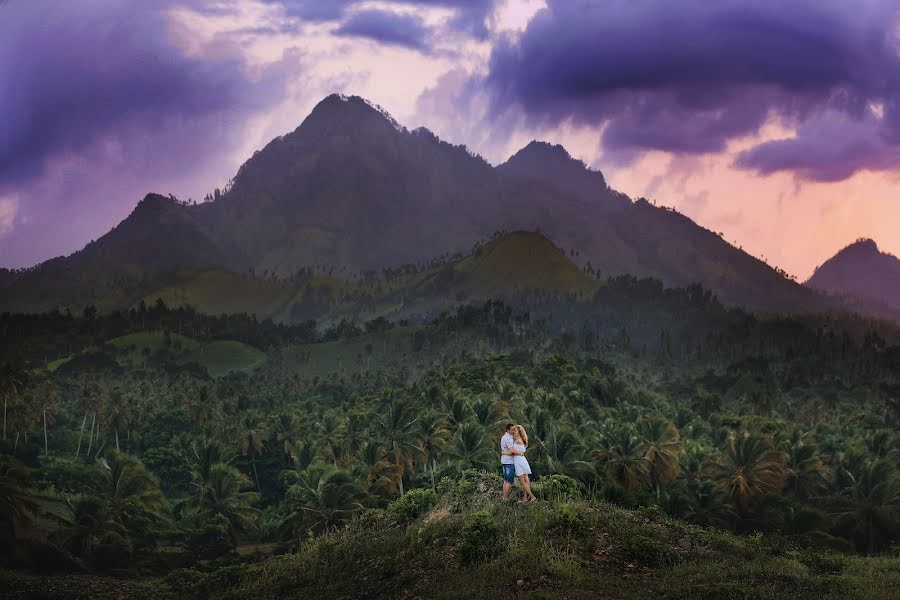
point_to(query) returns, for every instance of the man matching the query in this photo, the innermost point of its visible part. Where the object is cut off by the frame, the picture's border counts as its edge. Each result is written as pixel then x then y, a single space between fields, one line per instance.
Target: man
pixel 506 460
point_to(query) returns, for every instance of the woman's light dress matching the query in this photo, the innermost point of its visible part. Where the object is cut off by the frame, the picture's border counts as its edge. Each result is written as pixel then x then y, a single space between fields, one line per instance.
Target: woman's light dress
pixel 520 462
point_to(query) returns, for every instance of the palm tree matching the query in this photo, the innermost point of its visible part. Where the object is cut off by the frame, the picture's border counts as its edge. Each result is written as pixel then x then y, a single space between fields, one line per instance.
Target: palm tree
pixel 220 494
pixel 323 499
pixel 84 394
pixel 805 474
pixel 45 398
pixel 871 509
pixel 395 426
pixel 663 449
pixel 624 459
pixel 203 455
pixel 286 429
pixel 748 468
pixel 431 438
pixel 119 414
pixel 18 502
pixel 88 521
pixel 707 504
pixel 457 410
pixel 250 442
pixel 329 428
pixel 129 488
pixel 10 380
pixel 469 447
pixel 563 454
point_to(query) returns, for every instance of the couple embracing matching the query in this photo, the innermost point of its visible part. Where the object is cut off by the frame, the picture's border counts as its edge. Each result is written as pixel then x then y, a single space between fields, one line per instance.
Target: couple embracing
pixel 515 466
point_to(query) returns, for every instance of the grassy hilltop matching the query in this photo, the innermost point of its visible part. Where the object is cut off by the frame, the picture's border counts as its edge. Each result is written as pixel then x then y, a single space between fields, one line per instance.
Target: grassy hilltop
pixel 463 541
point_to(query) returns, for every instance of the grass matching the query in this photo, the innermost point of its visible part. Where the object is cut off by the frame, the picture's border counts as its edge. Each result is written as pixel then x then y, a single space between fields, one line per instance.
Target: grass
pixel 473 545
pixel 144 349
pixel 224 357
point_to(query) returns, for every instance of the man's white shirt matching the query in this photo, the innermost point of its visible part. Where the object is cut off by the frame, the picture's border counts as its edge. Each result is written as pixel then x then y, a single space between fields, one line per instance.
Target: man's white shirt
pixel 506 442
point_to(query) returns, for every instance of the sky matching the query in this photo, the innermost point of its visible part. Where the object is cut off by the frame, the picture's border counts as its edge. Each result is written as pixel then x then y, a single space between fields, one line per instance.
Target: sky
pixel 776 123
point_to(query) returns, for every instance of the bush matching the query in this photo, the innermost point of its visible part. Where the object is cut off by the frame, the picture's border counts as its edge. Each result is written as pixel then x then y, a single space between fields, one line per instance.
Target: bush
pixel 481 537
pixel 210 539
pixel 557 488
pixel 413 505
pixel 183 580
pixel 472 485
pixel 570 517
pixel 646 550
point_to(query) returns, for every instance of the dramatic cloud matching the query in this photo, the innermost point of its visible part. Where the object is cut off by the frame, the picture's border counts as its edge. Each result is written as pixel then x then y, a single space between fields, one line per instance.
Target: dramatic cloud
pixel 825 150
pixel 8 209
pixel 98 93
pixel 315 10
pixel 469 15
pixel 386 27
pixel 688 77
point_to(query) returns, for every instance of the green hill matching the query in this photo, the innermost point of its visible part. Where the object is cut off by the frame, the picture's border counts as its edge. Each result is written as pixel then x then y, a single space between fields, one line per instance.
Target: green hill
pixel 517 261
pixel 154 349
pixel 465 542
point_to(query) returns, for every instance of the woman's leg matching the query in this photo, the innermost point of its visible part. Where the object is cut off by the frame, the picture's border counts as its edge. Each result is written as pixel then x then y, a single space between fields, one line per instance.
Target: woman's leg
pixel 522 483
pixel 528 487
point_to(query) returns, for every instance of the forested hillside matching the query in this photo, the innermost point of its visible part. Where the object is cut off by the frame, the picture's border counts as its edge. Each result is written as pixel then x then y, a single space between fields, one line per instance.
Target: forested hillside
pixel 164 440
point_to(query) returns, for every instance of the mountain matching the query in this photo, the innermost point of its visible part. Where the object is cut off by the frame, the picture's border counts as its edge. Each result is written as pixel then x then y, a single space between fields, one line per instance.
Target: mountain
pixel 863 272
pixel 351 190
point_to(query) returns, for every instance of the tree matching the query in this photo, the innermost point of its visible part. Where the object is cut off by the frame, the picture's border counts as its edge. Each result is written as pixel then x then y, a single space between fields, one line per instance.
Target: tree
pixel 469 447
pixel 329 428
pixel 129 489
pixel 10 380
pixel 325 498
pixel 624 459
pixel 431 437
pixel 286 430
pixel 870 510
pixel 395 426
pixel 19 505
pixel 663 449
pixel 748 468
pixel 805 475
pixel 220 494
pixel 250 442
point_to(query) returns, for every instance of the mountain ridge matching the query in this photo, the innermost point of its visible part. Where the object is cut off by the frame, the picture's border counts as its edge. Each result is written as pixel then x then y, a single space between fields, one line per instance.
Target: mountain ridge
pixel 353 189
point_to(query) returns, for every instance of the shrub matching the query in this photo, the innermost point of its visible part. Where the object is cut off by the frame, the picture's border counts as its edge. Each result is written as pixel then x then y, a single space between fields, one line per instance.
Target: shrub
pixel 570 516
pixel 558 488
pixel 413 505
pixel 472 485
pixel 647 550
pixel 210 539
pixel 481 537
pixel 183 580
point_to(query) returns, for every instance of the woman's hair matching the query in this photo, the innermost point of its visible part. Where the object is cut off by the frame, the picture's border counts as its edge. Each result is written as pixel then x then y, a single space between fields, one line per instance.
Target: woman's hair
pixel 521 431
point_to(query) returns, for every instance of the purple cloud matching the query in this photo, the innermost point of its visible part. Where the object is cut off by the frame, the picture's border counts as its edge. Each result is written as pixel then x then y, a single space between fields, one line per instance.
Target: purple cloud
pixel 315 10
pixel 387 28
pixel 100 105
pixel 690 76
pixel 825 150
pixel 469 15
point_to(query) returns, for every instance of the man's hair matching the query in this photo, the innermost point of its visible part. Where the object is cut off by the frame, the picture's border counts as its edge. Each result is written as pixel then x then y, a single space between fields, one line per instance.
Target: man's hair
pixel 510 426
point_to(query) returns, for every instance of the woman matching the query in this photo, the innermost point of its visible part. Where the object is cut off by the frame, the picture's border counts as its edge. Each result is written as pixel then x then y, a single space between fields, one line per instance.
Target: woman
pixel 523 469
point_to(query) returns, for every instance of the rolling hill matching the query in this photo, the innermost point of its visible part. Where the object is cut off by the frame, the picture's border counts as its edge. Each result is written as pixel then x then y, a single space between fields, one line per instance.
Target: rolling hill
pixel 351 189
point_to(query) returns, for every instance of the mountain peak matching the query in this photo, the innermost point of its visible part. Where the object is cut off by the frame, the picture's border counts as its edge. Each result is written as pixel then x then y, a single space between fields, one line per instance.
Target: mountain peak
pixel 867 245
pixel 153 203
pixel 861 270
pixel 348 110
pixel 545 154
pixel 550 165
